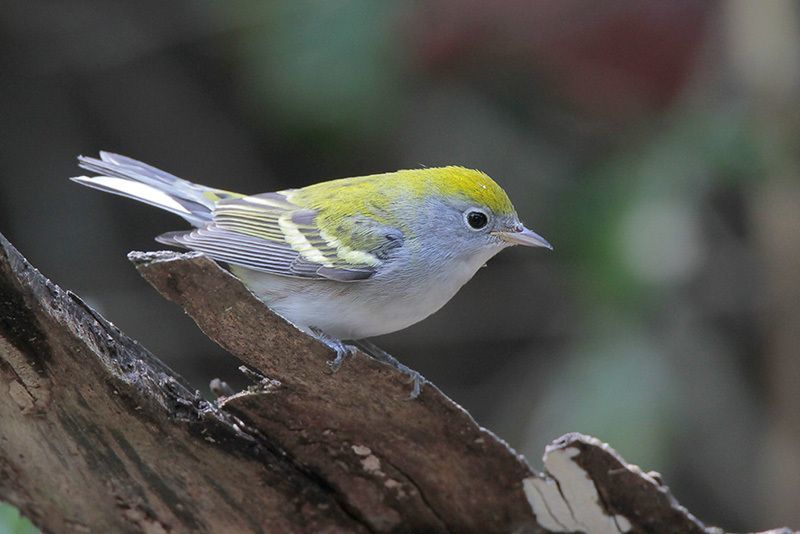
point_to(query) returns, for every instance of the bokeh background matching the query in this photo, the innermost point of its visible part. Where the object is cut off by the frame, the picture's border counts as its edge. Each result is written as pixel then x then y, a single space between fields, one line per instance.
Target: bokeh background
pixel 654 143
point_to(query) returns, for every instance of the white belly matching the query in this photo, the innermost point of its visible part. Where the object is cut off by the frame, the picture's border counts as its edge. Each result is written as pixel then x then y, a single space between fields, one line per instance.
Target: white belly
pixel 358 310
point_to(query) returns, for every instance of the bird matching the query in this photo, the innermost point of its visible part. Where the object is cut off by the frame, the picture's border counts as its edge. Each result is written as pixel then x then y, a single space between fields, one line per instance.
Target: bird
pixel 345 259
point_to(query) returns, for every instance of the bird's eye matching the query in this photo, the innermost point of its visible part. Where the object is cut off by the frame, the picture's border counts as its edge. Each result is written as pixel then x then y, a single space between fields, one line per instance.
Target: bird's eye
pixel 476 219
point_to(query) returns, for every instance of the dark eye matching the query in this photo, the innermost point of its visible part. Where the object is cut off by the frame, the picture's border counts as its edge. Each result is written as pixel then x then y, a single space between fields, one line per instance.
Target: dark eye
pixel 477 219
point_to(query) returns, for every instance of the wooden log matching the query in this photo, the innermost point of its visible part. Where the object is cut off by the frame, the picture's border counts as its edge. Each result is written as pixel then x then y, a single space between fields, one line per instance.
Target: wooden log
pixel 96 434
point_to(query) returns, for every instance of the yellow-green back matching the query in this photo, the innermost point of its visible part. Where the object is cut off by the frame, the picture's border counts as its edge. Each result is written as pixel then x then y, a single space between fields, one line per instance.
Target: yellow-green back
pixel 350 222
pixel 366 194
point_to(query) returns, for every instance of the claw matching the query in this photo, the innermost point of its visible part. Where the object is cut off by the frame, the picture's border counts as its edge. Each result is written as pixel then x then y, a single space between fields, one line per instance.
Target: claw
pixel 382 356
pixel 342 351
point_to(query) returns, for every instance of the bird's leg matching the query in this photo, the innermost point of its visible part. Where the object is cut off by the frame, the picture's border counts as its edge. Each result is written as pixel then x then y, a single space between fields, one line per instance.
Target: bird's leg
pixel 342 351
pixel 382 356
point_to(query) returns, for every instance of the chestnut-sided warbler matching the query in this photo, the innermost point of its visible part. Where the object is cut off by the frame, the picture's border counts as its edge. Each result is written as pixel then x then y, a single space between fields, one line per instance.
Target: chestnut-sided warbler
pixel 345 259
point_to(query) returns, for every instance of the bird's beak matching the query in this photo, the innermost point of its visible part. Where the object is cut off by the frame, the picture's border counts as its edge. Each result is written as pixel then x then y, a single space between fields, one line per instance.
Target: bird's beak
pixel 523 236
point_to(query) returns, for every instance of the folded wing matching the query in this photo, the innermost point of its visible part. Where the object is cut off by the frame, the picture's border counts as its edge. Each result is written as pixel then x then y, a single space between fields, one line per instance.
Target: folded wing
pixel 269 233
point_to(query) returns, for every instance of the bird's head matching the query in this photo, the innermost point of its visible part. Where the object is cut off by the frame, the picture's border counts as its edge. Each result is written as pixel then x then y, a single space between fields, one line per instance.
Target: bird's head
pixel 465 212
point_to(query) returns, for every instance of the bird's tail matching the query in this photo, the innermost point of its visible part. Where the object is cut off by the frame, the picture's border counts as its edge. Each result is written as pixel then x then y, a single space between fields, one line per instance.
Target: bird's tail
pixel 127 177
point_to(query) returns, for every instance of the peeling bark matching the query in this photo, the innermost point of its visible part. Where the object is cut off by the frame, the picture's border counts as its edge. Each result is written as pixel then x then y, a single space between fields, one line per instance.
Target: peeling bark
pixel 98 435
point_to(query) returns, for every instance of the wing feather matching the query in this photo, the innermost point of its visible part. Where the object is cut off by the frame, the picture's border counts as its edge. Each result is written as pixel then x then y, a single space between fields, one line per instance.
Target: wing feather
pixel 268 233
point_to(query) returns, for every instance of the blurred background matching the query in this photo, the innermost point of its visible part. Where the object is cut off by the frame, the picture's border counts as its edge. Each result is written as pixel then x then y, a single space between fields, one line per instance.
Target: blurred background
pixel 655 144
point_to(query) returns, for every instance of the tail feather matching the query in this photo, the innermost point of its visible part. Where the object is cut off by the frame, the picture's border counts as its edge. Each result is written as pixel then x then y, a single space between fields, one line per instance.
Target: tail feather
pixel 143 193
pixel 144 168
pixel 130 178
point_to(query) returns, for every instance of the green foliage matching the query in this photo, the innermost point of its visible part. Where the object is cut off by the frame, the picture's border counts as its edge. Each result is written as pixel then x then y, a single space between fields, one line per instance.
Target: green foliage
pixel 634 220
pixel 322 67
pixel 11 522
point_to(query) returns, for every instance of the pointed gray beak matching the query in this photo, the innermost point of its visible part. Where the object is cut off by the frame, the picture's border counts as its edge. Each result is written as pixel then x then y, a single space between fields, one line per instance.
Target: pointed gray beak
pixel 525 237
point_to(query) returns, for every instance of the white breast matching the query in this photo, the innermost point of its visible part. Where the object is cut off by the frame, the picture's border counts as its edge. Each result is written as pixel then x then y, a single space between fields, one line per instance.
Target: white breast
pixel 361 309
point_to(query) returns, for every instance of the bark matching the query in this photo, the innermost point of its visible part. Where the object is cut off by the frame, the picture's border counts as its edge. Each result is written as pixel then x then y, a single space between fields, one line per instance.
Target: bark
pixel 98 435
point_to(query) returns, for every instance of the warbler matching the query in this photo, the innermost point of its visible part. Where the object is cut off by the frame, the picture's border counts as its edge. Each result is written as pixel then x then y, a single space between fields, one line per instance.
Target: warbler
pixel 345 259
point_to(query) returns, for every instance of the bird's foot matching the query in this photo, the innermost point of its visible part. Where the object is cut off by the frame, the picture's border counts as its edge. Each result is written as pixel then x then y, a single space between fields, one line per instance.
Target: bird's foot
pixel 382 356
pixel 342 351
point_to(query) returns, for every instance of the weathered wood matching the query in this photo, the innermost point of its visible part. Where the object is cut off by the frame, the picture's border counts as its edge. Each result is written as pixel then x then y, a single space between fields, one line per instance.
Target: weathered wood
pixel 96 434
pixel 589 487
pixel 419 464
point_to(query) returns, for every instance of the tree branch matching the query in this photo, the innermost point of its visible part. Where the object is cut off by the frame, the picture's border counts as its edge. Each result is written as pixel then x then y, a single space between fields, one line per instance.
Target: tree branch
pixel 98 434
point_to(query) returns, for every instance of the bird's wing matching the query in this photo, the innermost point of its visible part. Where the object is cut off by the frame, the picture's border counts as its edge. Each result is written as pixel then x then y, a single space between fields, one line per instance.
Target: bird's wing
pixel 269 233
